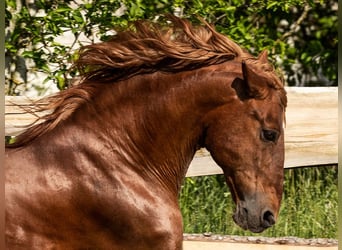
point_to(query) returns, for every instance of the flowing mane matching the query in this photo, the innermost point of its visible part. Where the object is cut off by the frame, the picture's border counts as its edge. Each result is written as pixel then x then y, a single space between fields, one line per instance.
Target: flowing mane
pixel 144 47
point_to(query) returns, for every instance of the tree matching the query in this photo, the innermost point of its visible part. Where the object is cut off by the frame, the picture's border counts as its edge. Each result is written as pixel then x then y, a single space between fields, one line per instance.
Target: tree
pixel 301 35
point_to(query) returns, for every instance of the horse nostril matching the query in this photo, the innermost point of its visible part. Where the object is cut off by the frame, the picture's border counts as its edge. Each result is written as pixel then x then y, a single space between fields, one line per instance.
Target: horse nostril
pixel 245 211
pixel 268 219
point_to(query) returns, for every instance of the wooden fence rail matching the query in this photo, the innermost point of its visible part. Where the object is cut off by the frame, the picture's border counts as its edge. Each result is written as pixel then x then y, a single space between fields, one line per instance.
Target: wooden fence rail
pixel 311 136
pixel 311 131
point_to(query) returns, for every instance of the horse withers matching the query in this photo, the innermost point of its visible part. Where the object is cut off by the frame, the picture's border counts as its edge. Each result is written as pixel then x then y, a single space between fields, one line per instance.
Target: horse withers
pixel 103 168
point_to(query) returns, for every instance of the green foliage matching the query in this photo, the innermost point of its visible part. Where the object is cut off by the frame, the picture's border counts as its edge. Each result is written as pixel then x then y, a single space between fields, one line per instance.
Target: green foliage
pixel 293 31
pixel 309 206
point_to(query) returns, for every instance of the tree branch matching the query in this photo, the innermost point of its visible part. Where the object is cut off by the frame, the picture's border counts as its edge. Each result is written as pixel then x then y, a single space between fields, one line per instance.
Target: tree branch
pixel 306 10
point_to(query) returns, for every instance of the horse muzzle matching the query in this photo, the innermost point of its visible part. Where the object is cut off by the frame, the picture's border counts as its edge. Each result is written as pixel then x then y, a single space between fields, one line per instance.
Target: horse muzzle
pixel 253 220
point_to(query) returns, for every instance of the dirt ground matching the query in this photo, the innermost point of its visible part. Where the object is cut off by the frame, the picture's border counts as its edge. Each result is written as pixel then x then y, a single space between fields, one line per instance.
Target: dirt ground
pixel 209 241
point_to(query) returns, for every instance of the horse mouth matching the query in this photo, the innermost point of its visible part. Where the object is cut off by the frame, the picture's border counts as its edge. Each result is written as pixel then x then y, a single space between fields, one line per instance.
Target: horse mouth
pixel 251 223
pixel 244 225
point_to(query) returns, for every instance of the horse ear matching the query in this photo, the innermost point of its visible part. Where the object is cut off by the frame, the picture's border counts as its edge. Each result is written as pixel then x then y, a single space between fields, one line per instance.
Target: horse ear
pixel 263 57
pixel 256 83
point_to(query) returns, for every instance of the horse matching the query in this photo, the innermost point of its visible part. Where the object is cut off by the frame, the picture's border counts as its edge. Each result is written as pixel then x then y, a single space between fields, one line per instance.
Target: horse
pixel 103 166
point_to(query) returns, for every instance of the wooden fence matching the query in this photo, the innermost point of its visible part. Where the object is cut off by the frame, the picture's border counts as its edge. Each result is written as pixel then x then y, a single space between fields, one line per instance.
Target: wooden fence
pixel 311 138
pixel 311 132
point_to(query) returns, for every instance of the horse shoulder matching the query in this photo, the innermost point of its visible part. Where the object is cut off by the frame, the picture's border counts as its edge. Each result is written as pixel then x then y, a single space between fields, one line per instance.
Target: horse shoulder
pixel 92 209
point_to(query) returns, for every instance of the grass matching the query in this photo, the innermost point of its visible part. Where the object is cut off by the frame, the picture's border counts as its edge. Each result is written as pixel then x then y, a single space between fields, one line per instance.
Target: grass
pixel 309 206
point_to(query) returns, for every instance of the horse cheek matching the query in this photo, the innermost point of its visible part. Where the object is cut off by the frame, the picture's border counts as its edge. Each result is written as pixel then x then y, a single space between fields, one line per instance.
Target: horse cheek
pixel 225 142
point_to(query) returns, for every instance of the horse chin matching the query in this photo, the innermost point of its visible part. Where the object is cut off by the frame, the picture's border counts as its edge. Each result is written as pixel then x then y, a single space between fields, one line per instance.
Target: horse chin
pixel 246 225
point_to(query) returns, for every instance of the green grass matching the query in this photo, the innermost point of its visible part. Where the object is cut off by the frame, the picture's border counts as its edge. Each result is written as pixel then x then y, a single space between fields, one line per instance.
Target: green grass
pixel 309 206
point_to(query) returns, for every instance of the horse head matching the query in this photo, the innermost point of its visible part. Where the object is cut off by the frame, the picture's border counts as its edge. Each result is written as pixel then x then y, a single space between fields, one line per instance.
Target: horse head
pixel 246 139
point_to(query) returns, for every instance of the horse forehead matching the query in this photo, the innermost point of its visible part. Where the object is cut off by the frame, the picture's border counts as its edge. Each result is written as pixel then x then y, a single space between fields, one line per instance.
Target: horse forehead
pixel 272 106
pixel 269 109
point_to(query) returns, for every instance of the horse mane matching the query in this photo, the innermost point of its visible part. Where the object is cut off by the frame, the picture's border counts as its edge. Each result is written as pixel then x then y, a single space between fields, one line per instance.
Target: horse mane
pixel 144 47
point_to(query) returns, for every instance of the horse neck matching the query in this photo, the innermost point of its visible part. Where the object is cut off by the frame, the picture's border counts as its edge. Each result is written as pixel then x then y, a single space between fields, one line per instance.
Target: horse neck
pixel 153 123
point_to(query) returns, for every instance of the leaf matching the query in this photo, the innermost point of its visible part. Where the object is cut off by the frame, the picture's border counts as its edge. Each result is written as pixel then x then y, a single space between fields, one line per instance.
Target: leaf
pixel 77 16
pixel 28 54
pixel 63 9
pixel 60 81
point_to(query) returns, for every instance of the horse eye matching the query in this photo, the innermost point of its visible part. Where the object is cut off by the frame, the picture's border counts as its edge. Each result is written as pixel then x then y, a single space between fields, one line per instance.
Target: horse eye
pixel 269 135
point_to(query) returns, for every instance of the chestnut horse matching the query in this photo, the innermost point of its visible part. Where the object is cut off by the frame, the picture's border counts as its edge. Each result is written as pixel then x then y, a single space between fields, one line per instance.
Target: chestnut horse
pixel 103 168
